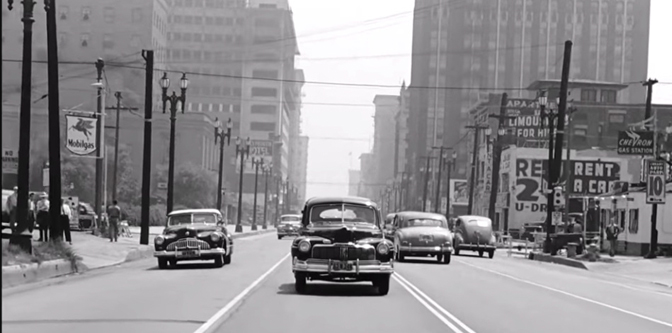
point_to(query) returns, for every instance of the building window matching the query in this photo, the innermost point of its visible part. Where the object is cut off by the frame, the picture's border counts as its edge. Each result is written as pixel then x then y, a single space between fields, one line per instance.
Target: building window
pixel 264 74
pixel 633 226
pixel 136 15
pixel 264 92
pixel 107 41
pixel 84 40
pixel 616 122
pixel 263 39
pixel 63 12
pixel 608 96
pixel 109 14
pixel 268 5
pixel 62 39
pixel 86 13
pixel 262 126
pixel 236 109
pixel 267 22
pixel 263 109
pixel 588 95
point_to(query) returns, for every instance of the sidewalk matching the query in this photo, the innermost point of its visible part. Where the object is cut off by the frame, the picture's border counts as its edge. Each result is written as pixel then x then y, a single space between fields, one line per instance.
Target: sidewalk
pixel 657 271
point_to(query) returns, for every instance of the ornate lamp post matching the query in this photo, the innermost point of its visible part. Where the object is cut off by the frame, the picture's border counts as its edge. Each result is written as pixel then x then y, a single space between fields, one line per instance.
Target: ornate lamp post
pixel 242 150
pixel 222 135
pixel 256 164
pixel 268 169
pixel 173 99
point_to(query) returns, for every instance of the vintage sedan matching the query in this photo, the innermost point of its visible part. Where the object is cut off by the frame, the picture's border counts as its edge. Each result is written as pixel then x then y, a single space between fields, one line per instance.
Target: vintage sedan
pixel 289 225
pixel 474 233
pixel 419 234
pixel 194 234
pixel 342 241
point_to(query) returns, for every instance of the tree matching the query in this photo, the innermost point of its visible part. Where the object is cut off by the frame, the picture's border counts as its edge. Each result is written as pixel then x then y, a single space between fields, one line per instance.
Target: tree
pixel 128 188
pixel 80 173
pixel 194 187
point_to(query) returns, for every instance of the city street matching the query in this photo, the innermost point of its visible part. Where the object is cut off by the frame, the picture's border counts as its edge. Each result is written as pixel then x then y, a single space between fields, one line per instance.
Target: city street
pixel 470 295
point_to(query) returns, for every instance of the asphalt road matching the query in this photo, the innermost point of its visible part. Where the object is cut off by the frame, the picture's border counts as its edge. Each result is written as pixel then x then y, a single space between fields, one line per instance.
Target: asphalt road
pixel 470 295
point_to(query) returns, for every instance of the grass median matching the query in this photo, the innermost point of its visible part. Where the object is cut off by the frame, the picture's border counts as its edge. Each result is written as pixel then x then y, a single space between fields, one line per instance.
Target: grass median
pixel 42 251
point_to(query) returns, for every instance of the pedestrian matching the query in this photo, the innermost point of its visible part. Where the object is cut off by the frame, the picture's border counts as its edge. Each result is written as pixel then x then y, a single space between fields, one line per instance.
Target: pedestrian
pixel 66 215
pixel 11 208
pixel 113 216
pixel 43 217
pixel 31 212
pixel 612 232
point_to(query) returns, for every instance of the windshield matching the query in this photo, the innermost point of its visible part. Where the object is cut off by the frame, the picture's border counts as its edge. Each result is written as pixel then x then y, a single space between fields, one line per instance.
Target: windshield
pixel 423 223
pixel 342 213
pixel 292 218
pixel 197 218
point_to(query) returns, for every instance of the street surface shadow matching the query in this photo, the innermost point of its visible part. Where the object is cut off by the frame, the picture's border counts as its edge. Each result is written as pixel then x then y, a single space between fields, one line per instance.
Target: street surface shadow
pixel 327 289
pixel 183 266
pixel 420 260
pixel 471 255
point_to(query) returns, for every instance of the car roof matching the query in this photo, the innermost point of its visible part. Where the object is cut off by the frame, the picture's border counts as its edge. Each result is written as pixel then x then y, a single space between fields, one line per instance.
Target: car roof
pixel 344 199
pixel 414 214
pixel 192 211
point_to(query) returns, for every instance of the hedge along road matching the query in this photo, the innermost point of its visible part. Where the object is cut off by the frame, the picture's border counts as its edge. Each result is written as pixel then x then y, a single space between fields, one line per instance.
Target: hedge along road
pixel 138 297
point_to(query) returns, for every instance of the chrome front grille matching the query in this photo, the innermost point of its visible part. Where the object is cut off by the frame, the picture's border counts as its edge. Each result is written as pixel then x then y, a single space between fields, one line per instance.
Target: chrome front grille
pixel 343 252
pixel 192 243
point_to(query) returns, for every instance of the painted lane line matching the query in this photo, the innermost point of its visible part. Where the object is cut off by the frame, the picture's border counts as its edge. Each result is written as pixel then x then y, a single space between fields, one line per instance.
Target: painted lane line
pixel 430 308
pixel 572 295
pixel 223 311
pixel 436 305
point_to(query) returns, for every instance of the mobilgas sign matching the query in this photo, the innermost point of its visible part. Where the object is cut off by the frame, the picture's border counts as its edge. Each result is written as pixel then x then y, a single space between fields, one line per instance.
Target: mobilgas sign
pixel 590 177
pixel 635 143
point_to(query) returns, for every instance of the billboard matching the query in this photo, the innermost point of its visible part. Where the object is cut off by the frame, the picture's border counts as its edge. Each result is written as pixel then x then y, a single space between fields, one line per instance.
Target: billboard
pixel 10 160
pixel 459 192
pixel 259 150
pixel 635 143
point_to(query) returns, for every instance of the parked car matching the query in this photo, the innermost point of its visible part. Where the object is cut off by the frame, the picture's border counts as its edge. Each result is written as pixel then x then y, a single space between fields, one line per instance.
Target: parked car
pixel 87 217
pixel 342 241
pixel 289 225
pixel 420 234
pixel 474 233
pixel 194 234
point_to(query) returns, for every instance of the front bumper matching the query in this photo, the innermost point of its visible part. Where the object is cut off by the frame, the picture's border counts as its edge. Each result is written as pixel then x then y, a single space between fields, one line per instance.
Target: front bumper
pixel 210 253
pixel 426 249
pixel 324 266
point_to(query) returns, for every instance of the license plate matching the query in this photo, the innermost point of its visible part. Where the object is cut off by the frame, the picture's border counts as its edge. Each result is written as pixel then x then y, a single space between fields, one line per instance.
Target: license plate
pixel 187 254
pixel 341 266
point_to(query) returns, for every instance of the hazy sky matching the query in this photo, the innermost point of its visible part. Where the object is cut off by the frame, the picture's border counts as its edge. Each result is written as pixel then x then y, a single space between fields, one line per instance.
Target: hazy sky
pixel 336 47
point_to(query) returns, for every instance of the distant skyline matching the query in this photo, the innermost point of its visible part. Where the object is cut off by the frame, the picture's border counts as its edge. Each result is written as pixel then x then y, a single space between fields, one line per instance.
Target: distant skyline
pixel 336 47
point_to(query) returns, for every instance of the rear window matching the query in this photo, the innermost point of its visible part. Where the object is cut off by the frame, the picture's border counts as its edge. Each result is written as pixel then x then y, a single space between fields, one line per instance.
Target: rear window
pixel 479 222
pixel 423 223
pixel 290 219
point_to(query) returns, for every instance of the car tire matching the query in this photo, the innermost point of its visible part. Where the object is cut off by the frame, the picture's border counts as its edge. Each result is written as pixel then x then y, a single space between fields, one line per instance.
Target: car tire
pixel 446 258
pixel 227 259
pixel 219 261
pixel 163 263
pixel 439 257
pixel 279 237
pixel 300 283
pixel 172 262
pixel 382 284
pixel 480 253
pixel 491 254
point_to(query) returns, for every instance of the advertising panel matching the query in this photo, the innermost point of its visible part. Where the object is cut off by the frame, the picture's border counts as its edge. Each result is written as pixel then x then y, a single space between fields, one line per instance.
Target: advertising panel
pixel 259 149
pixel 459 192
pixel 81 134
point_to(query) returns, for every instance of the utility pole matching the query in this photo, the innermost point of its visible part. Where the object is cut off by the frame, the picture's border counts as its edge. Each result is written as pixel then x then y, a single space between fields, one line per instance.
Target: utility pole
pixel 278 191
pixel 100 64
pixel 437 204
pixel 267 172
pixel 148 55
pixel 55 190
pixel 451 167
pixel 424 192
pixel 568 162
pixel 474 165
pixel 497 158
pixel 21 236
pixel 117 95
pixel 256 163
pixel 654 207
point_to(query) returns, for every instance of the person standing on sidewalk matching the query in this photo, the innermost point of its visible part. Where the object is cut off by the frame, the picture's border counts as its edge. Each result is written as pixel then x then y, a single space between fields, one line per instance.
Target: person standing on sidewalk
pixel 31 212
pixel 66 215
pixel 43 217
pixel 612 232
pixel 113 216
pixel 11 208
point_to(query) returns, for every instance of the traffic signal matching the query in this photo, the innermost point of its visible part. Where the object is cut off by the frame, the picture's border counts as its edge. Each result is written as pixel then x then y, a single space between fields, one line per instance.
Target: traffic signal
pixel 558 197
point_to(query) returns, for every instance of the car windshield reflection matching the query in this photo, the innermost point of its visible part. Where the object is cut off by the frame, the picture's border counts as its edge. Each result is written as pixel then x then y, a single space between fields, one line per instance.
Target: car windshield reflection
pixel 342 214
pixel 186 219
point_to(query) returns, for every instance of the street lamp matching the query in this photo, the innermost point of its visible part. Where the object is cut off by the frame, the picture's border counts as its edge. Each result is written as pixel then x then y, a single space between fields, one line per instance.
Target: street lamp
pixel 173 99
pixel 267 172
pixel 222 135
pixel 242 150
pixel 256 164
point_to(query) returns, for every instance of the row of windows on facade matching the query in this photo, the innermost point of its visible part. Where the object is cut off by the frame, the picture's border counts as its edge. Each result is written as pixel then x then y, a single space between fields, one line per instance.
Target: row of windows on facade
pixel 477 18
pixel 208 20
pixel 206 3
pixel 596 6
pixel 231 108
pixel 109 15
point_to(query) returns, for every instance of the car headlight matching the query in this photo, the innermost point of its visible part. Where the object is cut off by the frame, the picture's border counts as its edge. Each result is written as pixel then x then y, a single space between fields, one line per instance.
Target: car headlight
pixel 215 237
pixel 159 240
pixel 382 248
pixel 304 246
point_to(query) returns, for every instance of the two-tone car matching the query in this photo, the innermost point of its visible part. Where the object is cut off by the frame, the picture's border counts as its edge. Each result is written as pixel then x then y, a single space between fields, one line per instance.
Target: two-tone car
pixel 474 233
pixel 289 225
pixel 342 241
pixel 420 234
pixel 194 234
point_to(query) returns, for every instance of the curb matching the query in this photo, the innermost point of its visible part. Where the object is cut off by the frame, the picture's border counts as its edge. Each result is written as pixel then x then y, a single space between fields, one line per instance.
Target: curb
pixel 662 284
pixel 557 260
pixel 24 274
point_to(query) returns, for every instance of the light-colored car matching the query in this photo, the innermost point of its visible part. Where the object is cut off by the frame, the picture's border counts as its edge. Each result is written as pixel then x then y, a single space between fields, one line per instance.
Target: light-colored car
pixel 289 225
pixel 474 233
pixel 194 234
pixel 420 234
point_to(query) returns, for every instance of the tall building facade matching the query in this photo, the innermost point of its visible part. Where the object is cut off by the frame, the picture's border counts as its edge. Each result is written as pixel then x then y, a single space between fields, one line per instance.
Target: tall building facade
pixel 461 49
pixel 384 138
pixel 353 182
pixel 302 169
